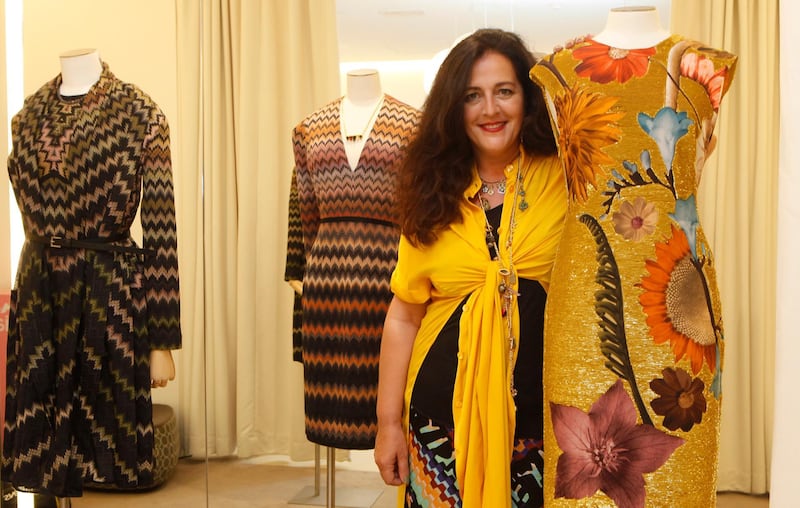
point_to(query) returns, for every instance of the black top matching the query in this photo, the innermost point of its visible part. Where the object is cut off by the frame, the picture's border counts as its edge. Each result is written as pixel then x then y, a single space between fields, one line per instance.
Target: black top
pixel 433 389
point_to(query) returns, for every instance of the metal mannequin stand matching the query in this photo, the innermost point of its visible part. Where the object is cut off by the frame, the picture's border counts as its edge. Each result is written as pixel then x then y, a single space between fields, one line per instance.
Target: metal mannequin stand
pixel 329 497
pixel 13 499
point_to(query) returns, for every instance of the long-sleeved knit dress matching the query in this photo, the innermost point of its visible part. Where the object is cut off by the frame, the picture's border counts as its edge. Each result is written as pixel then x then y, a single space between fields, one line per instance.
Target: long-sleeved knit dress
pixel 85 318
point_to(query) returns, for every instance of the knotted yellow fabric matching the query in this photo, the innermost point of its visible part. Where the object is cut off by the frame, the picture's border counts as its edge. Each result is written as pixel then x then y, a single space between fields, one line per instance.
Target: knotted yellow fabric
pixel 458 265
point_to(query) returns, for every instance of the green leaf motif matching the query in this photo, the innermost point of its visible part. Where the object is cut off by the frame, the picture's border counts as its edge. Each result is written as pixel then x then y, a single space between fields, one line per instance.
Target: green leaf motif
pixel 609 309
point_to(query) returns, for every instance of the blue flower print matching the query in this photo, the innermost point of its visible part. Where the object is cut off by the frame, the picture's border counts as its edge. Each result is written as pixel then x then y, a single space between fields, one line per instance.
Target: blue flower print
pixel 666 128
pixel 630 166
pixel 645 158
pixel 686 217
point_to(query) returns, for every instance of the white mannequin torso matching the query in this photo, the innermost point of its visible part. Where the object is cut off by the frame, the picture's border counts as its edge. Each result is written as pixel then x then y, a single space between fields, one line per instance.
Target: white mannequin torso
pixel 360 107
pixel 80 69
pixel 632 28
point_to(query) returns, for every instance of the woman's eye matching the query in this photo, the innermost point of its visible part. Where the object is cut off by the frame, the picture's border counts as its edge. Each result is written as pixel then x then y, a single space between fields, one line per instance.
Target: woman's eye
pixel 472 97
pixel 505 92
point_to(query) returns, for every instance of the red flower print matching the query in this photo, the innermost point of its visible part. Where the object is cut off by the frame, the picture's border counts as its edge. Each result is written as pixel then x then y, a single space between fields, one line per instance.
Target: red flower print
pixel 604 64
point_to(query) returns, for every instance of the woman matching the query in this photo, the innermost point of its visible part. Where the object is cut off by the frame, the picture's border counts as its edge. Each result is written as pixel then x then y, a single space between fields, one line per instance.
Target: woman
pixel 482 200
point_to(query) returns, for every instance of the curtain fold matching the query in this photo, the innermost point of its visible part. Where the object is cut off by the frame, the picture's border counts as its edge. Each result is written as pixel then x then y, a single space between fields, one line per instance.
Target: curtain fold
pixel 737 201
pixel 189 190
pixel 263 66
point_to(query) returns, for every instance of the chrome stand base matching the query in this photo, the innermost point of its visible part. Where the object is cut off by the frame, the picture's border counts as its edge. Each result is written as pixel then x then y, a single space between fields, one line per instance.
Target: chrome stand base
pixel 333 497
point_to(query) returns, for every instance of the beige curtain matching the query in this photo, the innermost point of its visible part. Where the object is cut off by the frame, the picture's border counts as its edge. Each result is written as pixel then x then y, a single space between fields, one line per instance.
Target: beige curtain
pixel 737 202
pixel 253 70
pixel 190 362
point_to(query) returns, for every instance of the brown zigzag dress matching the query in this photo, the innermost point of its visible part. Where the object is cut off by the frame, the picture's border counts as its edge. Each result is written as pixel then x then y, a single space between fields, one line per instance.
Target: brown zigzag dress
pixel 342 244
pixel 84 320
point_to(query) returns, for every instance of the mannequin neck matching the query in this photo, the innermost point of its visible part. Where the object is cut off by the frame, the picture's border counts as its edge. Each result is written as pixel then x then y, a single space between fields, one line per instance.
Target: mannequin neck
pixel 363 86
pixel 80 69
pixel 632 28
pixel 359 110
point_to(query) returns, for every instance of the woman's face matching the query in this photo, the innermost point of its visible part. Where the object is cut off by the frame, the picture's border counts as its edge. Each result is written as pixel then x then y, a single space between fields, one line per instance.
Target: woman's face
pixel 494 109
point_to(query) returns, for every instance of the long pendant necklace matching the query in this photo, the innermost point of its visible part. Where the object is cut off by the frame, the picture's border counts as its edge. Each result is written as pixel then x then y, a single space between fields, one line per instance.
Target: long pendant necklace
pixel 354 138
pixel 508 275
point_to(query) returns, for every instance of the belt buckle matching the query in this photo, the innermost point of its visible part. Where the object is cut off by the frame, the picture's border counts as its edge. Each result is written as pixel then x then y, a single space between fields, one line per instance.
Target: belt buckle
pixel 55 242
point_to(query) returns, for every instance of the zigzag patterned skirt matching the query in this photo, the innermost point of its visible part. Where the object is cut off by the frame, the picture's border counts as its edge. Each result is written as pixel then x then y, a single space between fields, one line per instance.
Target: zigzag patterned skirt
pixel 432 478
pixel 78 407
pixel 346 295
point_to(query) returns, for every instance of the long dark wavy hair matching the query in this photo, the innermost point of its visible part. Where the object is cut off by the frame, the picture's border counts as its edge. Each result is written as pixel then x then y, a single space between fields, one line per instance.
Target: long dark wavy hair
pixel 437 168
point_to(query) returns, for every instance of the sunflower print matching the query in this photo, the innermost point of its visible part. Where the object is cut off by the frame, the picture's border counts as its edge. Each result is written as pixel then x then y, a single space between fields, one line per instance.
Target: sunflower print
pixel 586 125
pixel 676 303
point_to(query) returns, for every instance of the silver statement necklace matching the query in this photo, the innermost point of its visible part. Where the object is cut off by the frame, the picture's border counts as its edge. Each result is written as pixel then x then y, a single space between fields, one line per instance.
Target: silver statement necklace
pixel 508 274
pixel 490 188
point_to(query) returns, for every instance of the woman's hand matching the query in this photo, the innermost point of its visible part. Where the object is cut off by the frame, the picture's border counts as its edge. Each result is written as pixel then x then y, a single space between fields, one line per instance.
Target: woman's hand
pixel 391 454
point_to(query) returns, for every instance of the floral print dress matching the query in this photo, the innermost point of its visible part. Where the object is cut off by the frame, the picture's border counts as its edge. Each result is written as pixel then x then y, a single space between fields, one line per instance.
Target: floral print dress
pixel 633 329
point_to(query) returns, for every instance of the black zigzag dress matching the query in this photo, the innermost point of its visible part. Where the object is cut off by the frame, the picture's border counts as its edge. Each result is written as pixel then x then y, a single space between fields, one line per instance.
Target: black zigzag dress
pixel 84 319
pixel 342 244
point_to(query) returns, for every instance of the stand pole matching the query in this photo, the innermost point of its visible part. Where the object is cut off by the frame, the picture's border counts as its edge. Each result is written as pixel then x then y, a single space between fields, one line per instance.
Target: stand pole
pixel 331 492
pixel 317 470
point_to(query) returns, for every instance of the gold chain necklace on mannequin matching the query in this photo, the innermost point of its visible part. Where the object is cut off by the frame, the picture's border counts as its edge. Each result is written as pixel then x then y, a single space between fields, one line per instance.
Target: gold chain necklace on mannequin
pixel 508 274
pixel 354 138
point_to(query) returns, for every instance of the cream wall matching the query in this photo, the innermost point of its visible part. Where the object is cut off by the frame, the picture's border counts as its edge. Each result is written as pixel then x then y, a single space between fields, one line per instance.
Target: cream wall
pixel 5 255
pixel 137 40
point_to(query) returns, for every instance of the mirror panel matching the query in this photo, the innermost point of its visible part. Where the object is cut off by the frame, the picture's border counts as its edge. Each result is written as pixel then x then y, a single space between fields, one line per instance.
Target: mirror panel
pixel 139 42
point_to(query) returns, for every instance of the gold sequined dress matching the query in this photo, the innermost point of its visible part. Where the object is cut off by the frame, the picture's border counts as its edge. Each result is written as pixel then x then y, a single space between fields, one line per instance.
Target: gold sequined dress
pixel 633 328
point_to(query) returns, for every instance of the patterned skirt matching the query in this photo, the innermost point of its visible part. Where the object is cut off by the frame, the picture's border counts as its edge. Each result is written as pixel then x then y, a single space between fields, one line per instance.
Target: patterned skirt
pixel 432 478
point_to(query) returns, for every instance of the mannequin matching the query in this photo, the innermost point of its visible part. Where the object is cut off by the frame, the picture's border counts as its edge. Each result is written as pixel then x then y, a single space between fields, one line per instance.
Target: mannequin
pixel 632 28
pixel 80 70
pixel 341 249
pixel 359 109
pixel 648 101
pixel 68 138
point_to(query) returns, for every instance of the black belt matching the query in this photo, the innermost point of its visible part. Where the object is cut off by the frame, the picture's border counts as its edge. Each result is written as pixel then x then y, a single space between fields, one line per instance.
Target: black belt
pixel 104 244
pixel 365 220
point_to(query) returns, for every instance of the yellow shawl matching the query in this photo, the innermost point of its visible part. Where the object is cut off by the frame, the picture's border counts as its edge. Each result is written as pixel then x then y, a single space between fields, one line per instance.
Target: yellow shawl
pixel 457 265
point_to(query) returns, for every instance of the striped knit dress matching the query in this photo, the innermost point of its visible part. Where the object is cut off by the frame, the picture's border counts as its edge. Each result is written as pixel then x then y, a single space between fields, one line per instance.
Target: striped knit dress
pixel 342 244
pixel 84 320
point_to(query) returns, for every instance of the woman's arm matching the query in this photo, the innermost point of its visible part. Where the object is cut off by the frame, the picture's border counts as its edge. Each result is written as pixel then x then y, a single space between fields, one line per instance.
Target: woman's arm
pixel 399 331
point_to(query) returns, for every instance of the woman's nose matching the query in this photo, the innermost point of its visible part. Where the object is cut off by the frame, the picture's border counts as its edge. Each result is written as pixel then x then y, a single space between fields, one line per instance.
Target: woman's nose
pixel 490 106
